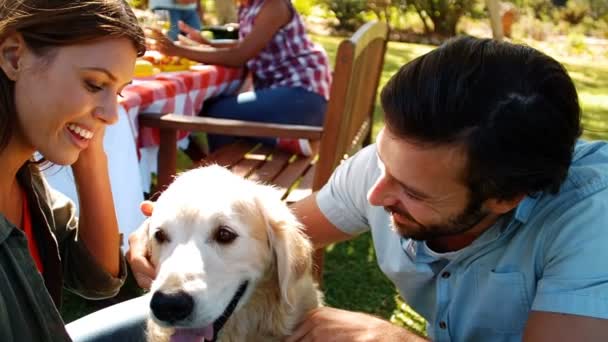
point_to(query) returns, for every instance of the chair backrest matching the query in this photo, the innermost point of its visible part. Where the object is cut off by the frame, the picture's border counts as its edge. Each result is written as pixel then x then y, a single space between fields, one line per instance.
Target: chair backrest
pixel 350 110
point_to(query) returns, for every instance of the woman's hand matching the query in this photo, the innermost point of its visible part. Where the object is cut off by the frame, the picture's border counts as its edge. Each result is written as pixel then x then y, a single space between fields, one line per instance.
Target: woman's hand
pixel 97 224
pixel 137 255
pixel 329 324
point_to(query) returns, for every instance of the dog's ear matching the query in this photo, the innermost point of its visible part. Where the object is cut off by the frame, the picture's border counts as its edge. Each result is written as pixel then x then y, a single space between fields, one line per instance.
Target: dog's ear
pixel 292 249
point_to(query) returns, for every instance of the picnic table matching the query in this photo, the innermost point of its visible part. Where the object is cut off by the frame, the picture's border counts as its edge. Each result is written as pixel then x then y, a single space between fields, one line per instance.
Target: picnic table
pixel 132 151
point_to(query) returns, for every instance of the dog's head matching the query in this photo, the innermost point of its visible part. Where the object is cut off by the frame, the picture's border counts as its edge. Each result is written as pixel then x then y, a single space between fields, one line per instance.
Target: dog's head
pixel 214 236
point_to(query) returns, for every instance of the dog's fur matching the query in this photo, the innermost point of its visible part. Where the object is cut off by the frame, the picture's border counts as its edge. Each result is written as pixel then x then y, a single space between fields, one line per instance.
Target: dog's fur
pixel 270 252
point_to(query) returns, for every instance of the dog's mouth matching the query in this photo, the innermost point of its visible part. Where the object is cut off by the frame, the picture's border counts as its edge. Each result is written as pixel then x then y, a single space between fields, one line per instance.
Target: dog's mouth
pixel 210 332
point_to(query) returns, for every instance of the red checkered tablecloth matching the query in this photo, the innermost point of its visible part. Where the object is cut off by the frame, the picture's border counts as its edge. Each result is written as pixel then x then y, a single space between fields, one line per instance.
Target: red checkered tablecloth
pixel 181 92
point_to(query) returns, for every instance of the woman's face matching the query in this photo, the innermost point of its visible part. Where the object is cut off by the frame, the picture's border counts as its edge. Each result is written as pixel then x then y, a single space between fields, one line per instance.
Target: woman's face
pixel 64 99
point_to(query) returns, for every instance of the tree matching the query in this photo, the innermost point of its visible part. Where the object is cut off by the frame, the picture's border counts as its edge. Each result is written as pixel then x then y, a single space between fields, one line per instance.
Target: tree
pixel 348 12
pixel 598 8
pixel 441 16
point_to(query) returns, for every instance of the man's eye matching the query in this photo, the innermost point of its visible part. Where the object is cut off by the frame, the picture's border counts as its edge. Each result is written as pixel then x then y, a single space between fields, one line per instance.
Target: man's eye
pixel 412 196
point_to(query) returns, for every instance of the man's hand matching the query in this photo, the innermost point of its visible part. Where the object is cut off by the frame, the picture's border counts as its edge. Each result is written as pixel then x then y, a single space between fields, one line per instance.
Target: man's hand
pixel 334 325
pixel 137 255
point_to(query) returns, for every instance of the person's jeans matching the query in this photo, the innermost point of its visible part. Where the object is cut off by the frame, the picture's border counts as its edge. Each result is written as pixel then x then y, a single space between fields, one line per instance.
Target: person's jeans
pixel 125 321
pixel 284 105
pixel 190 17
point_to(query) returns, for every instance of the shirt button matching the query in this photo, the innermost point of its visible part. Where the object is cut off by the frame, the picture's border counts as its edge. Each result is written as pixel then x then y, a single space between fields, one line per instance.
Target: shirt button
pixel 443 325
pixel 445 275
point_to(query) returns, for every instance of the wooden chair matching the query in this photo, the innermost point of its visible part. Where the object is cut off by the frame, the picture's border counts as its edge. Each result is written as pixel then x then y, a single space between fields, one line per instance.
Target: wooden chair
pixel 347 127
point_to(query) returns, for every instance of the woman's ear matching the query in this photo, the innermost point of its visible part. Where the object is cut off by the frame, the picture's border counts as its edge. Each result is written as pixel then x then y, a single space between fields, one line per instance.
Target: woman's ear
pixel 12 49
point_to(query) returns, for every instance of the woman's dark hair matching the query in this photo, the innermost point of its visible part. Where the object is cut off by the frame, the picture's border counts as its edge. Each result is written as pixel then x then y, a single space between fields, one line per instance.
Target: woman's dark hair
pixel 514 109
pixel 48 24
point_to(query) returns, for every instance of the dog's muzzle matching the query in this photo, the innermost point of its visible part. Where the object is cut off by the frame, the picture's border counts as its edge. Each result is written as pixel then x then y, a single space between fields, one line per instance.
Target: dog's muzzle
pixel 176 307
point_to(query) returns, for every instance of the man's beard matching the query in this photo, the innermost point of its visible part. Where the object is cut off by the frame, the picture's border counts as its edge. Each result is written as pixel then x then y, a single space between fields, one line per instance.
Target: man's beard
pixel 457 224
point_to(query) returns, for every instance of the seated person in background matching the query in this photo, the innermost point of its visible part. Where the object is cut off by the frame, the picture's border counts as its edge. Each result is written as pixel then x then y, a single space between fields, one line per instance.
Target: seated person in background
pixel 186 11
pixel 486 211
pixel 290 74
pixel 62 64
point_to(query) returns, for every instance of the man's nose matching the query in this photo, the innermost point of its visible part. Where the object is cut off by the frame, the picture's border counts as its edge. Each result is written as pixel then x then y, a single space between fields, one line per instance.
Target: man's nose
pixel 382 193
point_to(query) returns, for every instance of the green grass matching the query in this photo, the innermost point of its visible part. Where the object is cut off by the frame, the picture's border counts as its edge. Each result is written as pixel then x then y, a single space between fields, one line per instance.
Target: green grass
pixel 352 278
pixel 592 85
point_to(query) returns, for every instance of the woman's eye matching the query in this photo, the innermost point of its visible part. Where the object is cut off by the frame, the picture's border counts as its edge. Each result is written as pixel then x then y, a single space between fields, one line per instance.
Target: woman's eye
pixel 92 87
pixel 224 235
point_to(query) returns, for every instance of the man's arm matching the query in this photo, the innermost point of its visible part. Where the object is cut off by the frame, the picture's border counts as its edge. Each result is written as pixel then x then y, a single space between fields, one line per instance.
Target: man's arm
pixel 555 327
pixel 317 226
pixel 329 324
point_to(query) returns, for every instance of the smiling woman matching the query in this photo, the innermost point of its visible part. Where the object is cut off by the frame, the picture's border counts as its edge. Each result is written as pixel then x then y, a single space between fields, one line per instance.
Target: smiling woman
pixel 62 63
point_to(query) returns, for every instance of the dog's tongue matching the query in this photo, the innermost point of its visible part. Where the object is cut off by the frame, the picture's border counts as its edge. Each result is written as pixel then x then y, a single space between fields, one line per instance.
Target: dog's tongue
pixel 193 335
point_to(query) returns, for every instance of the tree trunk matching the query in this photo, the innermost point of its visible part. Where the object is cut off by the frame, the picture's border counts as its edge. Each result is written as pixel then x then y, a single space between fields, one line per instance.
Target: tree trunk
pixel 495 22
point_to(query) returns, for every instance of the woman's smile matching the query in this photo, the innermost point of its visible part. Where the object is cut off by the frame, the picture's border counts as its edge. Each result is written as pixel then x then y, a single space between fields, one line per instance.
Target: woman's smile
pixel 79 135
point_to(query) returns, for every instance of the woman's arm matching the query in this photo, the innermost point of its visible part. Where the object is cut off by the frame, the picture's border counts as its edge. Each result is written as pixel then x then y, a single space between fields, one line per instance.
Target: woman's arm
pixel 98 226
pixel 273 15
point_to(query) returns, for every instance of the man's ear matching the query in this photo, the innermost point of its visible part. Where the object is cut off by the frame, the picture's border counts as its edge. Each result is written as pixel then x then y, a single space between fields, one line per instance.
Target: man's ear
pixel 503 206
pixel 12 50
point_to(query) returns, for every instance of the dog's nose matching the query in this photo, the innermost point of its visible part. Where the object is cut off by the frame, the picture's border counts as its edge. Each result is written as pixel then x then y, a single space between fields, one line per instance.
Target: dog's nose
pixel 171 307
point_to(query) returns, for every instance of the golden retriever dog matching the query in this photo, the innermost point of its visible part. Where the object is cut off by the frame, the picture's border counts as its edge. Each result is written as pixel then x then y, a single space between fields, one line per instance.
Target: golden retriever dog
pixel 232 262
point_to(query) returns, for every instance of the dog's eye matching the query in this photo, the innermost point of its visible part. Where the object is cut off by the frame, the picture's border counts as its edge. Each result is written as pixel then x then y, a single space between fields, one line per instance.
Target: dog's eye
pixel 224 235
pixel 160 236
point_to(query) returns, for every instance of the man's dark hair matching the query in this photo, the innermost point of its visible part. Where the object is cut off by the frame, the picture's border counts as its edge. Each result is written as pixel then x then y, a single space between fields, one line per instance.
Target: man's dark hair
pixel 514 108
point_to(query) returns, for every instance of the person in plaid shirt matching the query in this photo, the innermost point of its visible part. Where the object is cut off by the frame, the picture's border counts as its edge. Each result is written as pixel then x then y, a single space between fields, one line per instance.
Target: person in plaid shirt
pixel 291 75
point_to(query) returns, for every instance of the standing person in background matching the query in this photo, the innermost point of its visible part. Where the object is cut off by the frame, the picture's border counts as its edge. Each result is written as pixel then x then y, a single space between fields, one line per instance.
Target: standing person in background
pixel 291 75
pixel 62 65
pixel 186 11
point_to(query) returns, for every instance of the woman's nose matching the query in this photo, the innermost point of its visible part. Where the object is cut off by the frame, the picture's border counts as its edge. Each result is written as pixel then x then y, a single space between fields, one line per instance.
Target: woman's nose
pixel 382 193
pixel 108 112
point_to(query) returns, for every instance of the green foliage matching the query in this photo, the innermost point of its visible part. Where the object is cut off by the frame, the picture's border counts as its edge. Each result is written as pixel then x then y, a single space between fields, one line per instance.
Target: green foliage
pixel 140 4
pixel 598 9
pixel 441 16
pixel 303 7
pixel 541 8
pixel 576 44
pixel 347 12
pixel 574 12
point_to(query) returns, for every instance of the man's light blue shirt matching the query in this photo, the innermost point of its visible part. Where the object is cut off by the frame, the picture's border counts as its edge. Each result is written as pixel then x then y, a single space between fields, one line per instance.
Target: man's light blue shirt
pixel 549 254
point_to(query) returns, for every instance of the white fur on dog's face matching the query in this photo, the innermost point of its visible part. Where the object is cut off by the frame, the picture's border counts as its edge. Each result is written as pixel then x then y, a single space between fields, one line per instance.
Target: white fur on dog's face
pixel 189 239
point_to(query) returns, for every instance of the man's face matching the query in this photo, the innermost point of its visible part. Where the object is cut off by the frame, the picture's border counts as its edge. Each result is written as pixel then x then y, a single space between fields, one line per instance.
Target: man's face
pixel 423 188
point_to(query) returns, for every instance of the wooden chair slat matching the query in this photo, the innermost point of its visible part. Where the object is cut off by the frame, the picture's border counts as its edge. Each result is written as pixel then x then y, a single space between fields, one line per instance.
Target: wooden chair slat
pixel 304 187
pixel 228 155
pixel 250 161
pixel 292 172
pixel 275 162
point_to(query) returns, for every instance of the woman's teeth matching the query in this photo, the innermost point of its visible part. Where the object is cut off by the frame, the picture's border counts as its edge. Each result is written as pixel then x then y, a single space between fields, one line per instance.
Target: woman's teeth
pixel 83 133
